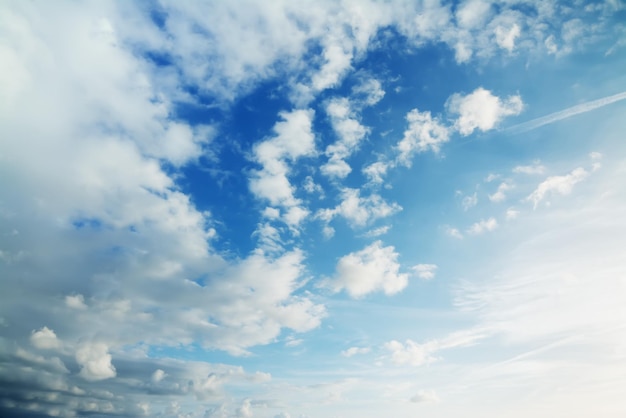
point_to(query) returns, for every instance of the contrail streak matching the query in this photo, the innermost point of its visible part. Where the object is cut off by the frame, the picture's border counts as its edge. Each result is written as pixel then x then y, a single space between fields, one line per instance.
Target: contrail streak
pixel 566 113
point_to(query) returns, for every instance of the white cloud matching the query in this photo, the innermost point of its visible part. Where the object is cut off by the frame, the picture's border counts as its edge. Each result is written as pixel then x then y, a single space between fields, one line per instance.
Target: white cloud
pixel 370 89
pixel 562 185
pixel 484 225
pixel 95 361
pixel 425 271
pixel 511 214
pixel 500 194
pixel 570 111
pixel 75 301
pixel 158 375
pixel 245 410
pixel 350 133
pixel 359 211
pixel 482 110
pixel 294 139
pixel 376 232
pixel 355 350
pixel 376 171
pixel 425 396
pixel 414 354
pixel 505 37
pixel 535 168
pixel 424 133
pixel 45 339
pixel 472 13
pixel 374 268
pixel 453 232
pixel 469 201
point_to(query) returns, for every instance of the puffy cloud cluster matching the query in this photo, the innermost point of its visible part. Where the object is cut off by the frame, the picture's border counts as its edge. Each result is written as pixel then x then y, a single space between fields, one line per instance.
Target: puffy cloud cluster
pixel 482 110
pixel 374 268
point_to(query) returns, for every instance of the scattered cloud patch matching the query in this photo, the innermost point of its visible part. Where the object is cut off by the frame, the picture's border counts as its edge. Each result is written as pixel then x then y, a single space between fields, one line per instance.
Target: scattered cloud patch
pixel 424 133
pixel 374 268
pixel 359 211
pixel 482 110
pixel 425 271
pixel 500 194
pixel 535 168
pixel 352 351
pixel 562 185
pixel 482 226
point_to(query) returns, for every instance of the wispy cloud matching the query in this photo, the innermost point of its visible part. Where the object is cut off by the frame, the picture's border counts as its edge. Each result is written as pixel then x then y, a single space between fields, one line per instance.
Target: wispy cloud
pixel 566 113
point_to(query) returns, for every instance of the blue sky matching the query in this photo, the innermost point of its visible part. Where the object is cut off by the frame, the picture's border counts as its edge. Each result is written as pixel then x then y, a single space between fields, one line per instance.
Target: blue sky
pixel 312 209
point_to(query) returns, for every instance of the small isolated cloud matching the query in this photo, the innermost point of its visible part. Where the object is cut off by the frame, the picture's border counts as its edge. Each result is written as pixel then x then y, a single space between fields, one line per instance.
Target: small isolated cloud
pixel 370 90
pixel 500 194
pixel 482 110
pixel 425 271
pixel 95 362
pixel 374 268
pixel 415 354
pixel 425 396
pixel 534 168
pixel 596 157
pixel 491 177
pixel 511 214
pixel 562 185
pixel 292 341
pixel 354 351
pixel 469 201
pixel 376 232
pixel 484 225
pixel 424 133
pixel 453 232
pixel 45 339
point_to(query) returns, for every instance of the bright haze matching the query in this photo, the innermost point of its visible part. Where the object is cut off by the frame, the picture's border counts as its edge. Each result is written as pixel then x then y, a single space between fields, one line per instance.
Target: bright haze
pixel 313 209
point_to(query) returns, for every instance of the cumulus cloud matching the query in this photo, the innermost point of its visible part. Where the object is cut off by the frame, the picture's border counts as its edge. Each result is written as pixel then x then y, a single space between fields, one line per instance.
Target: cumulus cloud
pixel 505 37
pixel 294 139
pixel 374 268
pixel 95 361
pixel 45 339
pixel 424 133
pixel 350 133
pixel 359 211
pixel 562 185
pixel 482 110
pixel 75 302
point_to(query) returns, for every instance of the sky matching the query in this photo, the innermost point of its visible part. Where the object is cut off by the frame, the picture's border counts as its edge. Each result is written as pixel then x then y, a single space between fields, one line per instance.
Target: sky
pixel 355 208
